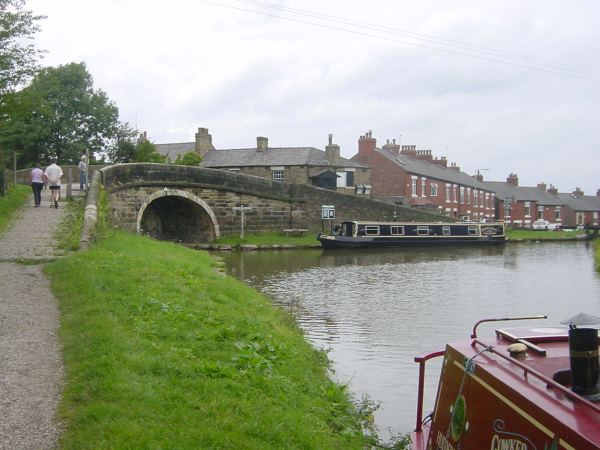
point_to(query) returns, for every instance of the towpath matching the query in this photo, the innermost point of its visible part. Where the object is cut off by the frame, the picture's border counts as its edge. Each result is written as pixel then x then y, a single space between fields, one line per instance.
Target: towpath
pixel 31 365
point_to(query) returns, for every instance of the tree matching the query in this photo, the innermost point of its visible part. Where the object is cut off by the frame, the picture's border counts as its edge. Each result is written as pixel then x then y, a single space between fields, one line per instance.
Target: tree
pixel 60 115
pixel 188 159
pixel 18 59
pixel 121 149
pixel 145 151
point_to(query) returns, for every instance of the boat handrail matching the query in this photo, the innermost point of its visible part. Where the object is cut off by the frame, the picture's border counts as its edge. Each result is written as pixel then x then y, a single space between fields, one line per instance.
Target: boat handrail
pixel 422 359
pixel 549 382
pixel 474 333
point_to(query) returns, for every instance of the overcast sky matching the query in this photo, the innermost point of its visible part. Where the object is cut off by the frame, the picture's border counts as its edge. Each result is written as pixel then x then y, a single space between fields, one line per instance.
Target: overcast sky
pixel 526 100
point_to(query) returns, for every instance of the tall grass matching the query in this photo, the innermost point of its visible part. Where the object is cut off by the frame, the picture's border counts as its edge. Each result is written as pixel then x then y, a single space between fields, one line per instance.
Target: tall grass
pixel 15 197
pixel 161 352
pixel 597 254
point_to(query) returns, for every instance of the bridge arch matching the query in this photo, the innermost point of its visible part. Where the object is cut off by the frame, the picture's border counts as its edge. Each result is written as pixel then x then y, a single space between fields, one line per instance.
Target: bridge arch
pixel 172 214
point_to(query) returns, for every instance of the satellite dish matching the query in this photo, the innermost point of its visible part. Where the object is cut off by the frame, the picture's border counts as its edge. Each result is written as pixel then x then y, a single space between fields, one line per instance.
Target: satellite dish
pixel 581 319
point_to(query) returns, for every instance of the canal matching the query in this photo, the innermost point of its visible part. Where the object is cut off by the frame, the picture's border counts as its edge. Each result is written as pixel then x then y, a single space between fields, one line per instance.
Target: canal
pixel 375 310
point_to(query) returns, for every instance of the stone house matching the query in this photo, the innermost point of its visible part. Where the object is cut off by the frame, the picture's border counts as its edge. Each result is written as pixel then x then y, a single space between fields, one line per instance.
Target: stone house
pixel 304 165
pixel 580 209
pixel 523 205
pixel 405 175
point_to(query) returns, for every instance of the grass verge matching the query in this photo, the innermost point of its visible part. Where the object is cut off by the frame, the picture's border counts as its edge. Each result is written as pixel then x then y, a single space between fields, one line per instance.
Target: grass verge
pixel 540 235
pixel 270 239
pixel 15 197
pixel 597 254
pixel 161 352
pixel 69 232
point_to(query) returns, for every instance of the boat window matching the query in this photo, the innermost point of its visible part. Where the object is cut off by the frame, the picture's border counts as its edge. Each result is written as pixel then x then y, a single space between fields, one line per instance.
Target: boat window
pixel 473 231
pixel 446 230
pixel 397 230
pixel 371 230
pixel 422 231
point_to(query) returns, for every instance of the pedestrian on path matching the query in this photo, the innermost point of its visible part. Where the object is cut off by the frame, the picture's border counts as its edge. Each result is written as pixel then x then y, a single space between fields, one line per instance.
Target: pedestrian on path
pixel 37 183
pixel 82 173
pixel 53 175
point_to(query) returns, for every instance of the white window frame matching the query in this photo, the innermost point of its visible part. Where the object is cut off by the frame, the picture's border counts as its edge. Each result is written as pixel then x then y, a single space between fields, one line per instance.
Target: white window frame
pixel 422 230
pixel 540 212
pixel 557 213
pixel 475 198
pixel 423 187
pixel 446 230
pixel 413 180
pixel 448 193
pixel 277 174
pixel 371 230
pixel 455 193
pixel 579 218
pixel 468 196
pixel 473 231
pixel 397 230
pixel 527 209
pixel 433 188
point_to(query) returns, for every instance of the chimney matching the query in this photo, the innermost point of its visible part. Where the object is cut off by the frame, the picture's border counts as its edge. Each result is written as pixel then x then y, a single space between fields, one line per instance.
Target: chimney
pixel 552 190
pixel 578 192
pixel 409 150
pixel 440 161
pixel 203 142
pixel 424 155
pixel 542 186
pixel 392 147
pixel 598 193
pixel 478 177
pixel 143 137
pixel 366 143
pixel 454 167
pixel 513 179
pixel 262 143
pixel 332 151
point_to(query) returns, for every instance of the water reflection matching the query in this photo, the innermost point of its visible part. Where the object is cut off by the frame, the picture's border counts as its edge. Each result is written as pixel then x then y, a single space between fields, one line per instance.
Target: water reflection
pixel 376 310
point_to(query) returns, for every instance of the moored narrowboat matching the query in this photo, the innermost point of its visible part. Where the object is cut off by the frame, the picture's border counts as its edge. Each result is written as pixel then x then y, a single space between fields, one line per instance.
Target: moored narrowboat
pixel 356 234
pixel 526 389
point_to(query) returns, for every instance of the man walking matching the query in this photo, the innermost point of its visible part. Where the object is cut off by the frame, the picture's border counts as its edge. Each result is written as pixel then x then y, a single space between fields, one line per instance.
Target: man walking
pixel 53 175
pixel 82 173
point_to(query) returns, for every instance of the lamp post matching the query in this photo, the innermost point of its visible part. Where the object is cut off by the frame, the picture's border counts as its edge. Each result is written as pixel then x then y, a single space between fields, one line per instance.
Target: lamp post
pixel 242 209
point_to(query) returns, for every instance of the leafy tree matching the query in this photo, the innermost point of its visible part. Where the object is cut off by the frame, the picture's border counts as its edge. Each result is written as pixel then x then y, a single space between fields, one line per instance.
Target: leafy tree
pixel 18 58
pixel 145 151
pixel 188 159
pixel 60 115
pixel 122 147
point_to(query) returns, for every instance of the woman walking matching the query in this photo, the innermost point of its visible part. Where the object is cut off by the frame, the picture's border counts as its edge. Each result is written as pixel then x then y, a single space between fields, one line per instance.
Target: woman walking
pixel 37 183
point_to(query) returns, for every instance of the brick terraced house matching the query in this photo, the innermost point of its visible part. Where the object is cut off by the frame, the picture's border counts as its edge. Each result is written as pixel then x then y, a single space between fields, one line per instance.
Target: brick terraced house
pixel 581 209
pixel 405 175
pixel 305 165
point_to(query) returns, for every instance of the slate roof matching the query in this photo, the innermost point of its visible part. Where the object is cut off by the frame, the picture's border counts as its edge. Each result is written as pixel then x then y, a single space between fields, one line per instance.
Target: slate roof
pixel 172 151
pixel 432 170
pixel 524 193
pixel 581 202
pixel 273 156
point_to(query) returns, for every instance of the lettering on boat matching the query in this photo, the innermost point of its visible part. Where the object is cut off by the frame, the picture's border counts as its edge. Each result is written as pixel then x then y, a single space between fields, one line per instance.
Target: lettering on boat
pixel 443 443
pixel 499 443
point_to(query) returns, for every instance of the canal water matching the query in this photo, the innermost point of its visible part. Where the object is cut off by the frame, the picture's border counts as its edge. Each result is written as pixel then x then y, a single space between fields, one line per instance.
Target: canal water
pixel 375 310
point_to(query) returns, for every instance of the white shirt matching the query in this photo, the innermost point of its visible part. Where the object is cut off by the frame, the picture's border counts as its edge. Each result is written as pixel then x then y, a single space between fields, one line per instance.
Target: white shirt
pixel 53 173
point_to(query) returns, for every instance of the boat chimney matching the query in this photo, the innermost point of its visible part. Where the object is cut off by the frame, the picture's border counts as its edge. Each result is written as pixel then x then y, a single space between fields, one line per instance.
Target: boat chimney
pixel 583 353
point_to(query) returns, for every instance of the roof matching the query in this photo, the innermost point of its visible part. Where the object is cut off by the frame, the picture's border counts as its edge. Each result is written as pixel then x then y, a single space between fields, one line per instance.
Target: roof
pixel 581 202
pixel 433 170
pixel 273 156
pixel 523 193
pixel 172 151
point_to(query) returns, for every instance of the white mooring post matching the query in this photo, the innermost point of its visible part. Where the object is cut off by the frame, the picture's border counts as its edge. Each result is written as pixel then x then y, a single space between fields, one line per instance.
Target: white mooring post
pixel 242 209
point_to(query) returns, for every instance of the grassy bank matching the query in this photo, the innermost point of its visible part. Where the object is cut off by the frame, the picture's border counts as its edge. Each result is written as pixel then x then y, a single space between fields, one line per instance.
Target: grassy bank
pixel 597 254
pixel 540 235
pixel 15 197
pixel 161 352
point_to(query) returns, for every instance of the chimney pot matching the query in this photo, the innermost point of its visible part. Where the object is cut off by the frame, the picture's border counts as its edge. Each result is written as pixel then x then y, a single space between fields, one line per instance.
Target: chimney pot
pixel 262 143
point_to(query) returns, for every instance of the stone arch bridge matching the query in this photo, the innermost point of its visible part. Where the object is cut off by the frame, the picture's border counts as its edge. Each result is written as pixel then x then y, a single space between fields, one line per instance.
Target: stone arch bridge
pixel 196 205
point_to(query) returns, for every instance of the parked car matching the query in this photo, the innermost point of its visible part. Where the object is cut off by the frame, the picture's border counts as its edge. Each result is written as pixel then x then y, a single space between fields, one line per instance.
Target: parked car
pixel 541 224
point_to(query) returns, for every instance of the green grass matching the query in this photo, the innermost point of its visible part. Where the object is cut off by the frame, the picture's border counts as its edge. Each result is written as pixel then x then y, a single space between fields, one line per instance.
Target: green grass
pixel 163 353
pixel 540 235
pixel 15 197
pixel 69 231
pixel 597 254
pixel 269 239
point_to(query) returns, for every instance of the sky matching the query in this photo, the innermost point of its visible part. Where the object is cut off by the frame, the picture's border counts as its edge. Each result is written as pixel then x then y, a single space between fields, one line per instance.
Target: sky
pixel 498 87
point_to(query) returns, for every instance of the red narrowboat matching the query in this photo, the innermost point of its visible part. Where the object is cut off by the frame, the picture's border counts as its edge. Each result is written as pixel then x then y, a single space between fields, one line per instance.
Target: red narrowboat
pixel 533 388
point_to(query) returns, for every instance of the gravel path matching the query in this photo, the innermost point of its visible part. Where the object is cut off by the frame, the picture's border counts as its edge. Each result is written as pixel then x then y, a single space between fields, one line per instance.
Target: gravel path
pixel 31 365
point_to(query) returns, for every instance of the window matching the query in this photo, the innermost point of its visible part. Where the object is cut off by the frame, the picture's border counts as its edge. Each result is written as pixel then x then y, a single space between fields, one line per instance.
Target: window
pixel 448 195
pixel 277 175
pixel 476 198
pixel 454 193
pixel 433 189
pixel 527 206
pixel 423 186
pixel 341 179
pixel 595 217
pixel 446 230
pixel 540 212
pixel 422 231
pixel 473 231
pixel 468 196
pixel 579 218
pixel 349 179
pixel 414 186
pixel 557 213
pixel 371 230
pixel 396 230
pixel 462 195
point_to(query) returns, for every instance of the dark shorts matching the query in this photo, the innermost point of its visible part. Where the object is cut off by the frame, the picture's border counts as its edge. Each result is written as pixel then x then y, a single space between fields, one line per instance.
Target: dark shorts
pixel 54 187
